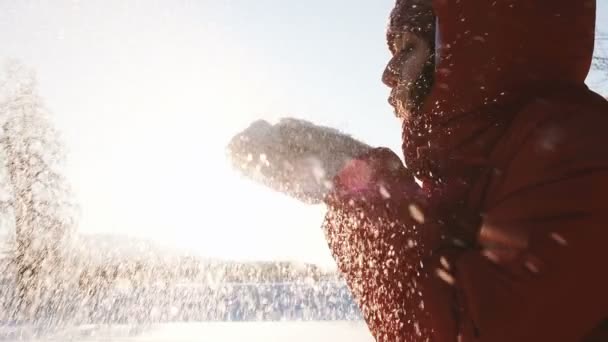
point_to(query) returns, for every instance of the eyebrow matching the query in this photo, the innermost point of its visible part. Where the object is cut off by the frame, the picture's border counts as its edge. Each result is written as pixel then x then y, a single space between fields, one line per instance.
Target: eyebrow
pixel 391 39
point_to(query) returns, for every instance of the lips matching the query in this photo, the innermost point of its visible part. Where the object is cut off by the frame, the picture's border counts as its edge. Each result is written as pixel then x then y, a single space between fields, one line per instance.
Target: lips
pixel 398 100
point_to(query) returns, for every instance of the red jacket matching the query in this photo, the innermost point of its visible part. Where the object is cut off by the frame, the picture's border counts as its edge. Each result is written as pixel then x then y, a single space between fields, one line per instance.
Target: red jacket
pixel 507 238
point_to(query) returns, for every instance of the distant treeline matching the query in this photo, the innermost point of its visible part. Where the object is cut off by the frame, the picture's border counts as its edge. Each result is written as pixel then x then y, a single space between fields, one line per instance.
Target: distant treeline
pixel 194 270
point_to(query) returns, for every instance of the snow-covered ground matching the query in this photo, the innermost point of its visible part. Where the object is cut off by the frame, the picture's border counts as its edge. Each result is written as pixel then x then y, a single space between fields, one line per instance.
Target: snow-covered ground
pixel 211 332
pixel 232 311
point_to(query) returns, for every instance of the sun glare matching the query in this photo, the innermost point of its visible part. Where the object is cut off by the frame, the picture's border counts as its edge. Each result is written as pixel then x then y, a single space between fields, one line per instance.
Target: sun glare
pixel 155 167
pixel 146 111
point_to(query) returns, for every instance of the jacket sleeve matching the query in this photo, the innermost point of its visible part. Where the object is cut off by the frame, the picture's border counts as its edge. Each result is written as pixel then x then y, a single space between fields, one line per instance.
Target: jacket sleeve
pixel 384 246
pixel 538 273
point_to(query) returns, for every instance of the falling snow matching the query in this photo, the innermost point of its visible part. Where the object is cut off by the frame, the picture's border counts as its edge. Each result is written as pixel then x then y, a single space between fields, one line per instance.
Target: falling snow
pixel 445 276
pixel 57 284
pixel 416 213
pixel 559 239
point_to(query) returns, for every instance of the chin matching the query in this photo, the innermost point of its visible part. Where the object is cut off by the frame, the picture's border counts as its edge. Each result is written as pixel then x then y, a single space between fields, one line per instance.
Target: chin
pixel 404 111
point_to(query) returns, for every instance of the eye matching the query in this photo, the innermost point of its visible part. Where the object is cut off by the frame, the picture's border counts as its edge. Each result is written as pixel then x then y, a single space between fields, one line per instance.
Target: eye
pixel 409 47
pixel 404 43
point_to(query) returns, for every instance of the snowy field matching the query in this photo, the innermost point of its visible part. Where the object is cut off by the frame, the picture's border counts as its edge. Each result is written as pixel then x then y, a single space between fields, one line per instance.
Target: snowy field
pixel 277 311
pixel 190 332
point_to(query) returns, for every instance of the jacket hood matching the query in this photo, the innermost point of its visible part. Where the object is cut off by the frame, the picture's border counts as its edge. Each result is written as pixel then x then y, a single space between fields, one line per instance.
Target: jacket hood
pixel 495 51
pixel 491 57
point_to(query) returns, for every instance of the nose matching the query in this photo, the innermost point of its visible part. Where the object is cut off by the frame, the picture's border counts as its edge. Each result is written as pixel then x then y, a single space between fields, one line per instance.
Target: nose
pixel 390 76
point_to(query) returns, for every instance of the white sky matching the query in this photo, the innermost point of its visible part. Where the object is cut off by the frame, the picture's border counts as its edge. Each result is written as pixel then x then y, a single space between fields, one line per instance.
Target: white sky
pixel 147 93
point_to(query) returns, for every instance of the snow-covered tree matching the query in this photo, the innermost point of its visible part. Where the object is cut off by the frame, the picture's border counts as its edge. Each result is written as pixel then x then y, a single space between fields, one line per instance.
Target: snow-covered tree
pixel 34 190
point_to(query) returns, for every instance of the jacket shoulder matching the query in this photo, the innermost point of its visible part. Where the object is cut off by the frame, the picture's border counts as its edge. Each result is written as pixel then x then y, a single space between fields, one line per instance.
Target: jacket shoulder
pixel 551 140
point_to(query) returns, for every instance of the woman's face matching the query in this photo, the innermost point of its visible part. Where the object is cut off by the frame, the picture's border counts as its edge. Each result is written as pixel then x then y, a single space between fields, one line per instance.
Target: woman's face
pixel 404 73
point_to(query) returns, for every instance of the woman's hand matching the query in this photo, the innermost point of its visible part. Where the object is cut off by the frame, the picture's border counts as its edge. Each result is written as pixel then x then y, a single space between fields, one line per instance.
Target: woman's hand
pixel 294 157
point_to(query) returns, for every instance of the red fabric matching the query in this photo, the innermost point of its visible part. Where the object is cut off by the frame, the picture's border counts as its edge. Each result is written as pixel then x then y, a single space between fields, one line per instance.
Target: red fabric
pixel 506 239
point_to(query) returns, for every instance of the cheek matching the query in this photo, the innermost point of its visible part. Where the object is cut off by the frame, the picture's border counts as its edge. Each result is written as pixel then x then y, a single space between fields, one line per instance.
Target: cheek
pixel 413 67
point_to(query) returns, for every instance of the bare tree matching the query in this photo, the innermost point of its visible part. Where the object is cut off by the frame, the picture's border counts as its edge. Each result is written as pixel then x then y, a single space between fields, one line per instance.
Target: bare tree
pixel 40 198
